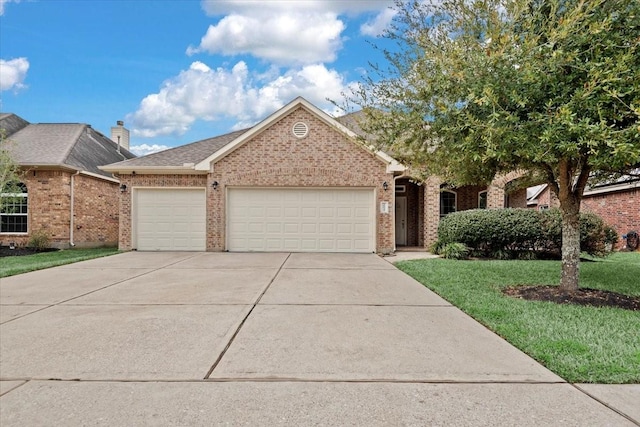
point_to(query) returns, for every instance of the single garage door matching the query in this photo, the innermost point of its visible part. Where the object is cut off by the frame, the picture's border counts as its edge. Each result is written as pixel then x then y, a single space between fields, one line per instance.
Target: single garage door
pixel 301 220
pixel 170 220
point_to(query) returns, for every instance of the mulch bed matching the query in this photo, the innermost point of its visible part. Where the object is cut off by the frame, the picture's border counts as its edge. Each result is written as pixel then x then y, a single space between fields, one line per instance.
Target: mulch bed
pixel 583 296
pixel 20 251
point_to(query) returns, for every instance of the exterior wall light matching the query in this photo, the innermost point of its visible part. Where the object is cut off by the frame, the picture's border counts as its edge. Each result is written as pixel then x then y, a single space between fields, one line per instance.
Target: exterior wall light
pixel 123 188
pixel 385 186
pixel 214 184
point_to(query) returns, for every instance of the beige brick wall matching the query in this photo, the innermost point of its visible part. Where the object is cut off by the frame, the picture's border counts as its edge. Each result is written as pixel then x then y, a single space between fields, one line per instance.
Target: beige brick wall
pixel 431 217
pixel 95 212
pixel 547 199
pixel 95 207
pixel 324 158
pixel 276 158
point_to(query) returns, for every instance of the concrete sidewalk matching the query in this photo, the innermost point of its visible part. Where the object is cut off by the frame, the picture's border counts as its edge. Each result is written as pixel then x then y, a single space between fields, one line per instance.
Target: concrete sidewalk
pixel 266 339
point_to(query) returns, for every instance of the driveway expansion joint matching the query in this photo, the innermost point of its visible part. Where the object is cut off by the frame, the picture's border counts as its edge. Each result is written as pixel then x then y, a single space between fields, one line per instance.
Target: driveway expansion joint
pixel 605 404
pixel 237 331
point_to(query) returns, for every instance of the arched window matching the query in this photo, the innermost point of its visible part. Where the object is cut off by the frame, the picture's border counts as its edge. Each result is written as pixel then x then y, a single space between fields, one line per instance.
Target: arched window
pixel 482 200
pixel 448 202
pixel 13 209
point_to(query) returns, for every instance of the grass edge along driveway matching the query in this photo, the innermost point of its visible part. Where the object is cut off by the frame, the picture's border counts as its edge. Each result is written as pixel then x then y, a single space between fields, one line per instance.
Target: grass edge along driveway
pixel 12 265
pixel 580 344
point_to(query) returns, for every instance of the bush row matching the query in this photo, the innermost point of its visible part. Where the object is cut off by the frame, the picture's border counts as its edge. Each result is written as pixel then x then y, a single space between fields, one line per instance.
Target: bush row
pixel 522 233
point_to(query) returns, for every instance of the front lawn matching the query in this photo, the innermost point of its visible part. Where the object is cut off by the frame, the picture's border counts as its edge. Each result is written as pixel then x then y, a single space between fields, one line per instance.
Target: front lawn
pixel 12 265
pixel 578 343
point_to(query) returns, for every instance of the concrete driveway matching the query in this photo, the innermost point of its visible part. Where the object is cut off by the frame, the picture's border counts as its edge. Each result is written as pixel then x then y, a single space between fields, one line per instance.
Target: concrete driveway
pixel 265 339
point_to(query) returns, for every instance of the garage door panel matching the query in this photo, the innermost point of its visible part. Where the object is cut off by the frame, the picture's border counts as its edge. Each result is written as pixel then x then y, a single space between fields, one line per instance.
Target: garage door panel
pixel 309 212
pixel 362 229
pixel 274 212
pixel 295 219
pixel 274 228
pixel 170 219
pixel 256 227
pixel 309 228
pixel 291 228
pixel 326 228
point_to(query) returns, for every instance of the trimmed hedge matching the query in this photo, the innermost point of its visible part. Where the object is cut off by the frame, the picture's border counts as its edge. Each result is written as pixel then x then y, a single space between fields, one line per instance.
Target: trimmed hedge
pixel 511 233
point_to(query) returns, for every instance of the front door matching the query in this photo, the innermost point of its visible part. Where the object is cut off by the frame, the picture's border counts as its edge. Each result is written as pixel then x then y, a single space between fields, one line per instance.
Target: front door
pixel 401 221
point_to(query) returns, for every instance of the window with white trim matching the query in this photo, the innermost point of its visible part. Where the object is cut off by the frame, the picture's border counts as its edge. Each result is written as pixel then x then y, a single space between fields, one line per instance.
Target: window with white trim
pixel 14 209
pixel 448 202
pixel 482 200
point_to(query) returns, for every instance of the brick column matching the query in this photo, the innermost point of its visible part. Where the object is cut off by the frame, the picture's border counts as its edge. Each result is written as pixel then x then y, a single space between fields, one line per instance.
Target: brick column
pixel 124 231
pixel 216 206
pixel 431 210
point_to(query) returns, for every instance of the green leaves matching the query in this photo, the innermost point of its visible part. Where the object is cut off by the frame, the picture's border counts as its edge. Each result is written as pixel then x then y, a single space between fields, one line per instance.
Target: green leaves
pixel 514 84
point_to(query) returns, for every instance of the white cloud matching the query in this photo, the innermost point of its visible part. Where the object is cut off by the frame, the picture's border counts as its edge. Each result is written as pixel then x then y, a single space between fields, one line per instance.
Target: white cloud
pixel 380 23
pixel 285 38
pixel 202 93
pixel 286 32
pixel 12 73
pixel 4 2
pixel 144 149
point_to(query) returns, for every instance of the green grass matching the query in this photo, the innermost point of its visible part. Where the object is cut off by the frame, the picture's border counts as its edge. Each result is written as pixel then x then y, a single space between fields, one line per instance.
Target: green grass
pixel 580 344
pixel 12 265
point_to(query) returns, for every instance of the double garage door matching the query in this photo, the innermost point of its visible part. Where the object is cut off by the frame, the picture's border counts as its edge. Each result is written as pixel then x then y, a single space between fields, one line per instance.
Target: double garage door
pixel 301 220
pixel 260 219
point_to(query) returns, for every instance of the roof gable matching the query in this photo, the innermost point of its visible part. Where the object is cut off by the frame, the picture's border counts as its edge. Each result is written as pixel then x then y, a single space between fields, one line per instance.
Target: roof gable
pixel 204 165
pixel 68 145
pixel 198 156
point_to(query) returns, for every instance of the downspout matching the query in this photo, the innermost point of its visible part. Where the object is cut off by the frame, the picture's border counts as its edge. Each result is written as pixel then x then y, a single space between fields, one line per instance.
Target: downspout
pixel 71 225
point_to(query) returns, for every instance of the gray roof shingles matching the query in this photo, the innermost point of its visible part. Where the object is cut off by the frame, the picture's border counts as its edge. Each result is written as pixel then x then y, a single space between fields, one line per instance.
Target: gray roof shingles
pixel 194 153
pixel 71 145
pixel 10 123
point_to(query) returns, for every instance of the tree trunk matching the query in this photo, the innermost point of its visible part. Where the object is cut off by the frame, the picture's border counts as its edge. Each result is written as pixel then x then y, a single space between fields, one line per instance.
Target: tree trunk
pixel 572 179
pixel 570 248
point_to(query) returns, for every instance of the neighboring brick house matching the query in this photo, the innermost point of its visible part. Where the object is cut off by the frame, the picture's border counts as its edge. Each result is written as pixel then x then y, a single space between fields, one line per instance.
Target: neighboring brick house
pixel 618 203
pixel 297 181
pixel 64 194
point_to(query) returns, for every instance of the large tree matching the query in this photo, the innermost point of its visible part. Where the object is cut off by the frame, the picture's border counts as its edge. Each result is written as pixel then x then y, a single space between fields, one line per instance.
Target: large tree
pixel 475 88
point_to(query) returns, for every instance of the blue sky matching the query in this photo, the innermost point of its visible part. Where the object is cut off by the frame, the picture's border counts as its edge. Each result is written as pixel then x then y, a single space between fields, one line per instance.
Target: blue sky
pixel 180 71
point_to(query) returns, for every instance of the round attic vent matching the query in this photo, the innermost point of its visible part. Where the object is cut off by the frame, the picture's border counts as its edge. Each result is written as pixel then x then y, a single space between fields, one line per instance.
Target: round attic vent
pixel 300 130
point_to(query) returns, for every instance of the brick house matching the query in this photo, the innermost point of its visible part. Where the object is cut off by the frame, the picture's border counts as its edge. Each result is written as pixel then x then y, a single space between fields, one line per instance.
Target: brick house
pixel 299 180
pixel 618 202
pixel 64 194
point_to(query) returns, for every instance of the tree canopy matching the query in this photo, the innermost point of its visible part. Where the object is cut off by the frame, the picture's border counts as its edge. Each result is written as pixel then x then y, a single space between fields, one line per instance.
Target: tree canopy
pixel 481 87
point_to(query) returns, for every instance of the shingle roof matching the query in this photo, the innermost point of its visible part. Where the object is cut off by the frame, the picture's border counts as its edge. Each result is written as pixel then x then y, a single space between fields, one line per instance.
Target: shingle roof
pixel 353 121
pixel 10 123
pixel 72 145
pixel 192 157
pixel 185 154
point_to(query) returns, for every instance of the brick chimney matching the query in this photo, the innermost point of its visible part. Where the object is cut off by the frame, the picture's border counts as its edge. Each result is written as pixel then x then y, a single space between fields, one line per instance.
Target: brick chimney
pixel 120 135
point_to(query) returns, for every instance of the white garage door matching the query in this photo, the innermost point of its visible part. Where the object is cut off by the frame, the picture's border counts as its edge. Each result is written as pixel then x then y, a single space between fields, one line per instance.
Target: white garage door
pixel 170 220
pixel 301 220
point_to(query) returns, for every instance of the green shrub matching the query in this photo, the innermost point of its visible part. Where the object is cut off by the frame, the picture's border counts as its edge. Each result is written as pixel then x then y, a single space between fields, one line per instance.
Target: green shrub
pixel 527 255
pixel 39 240
pixel 501 254
pixel 520 233
pixel 594 233
pixel 436 247
pixel 455 251
pixel 488 230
